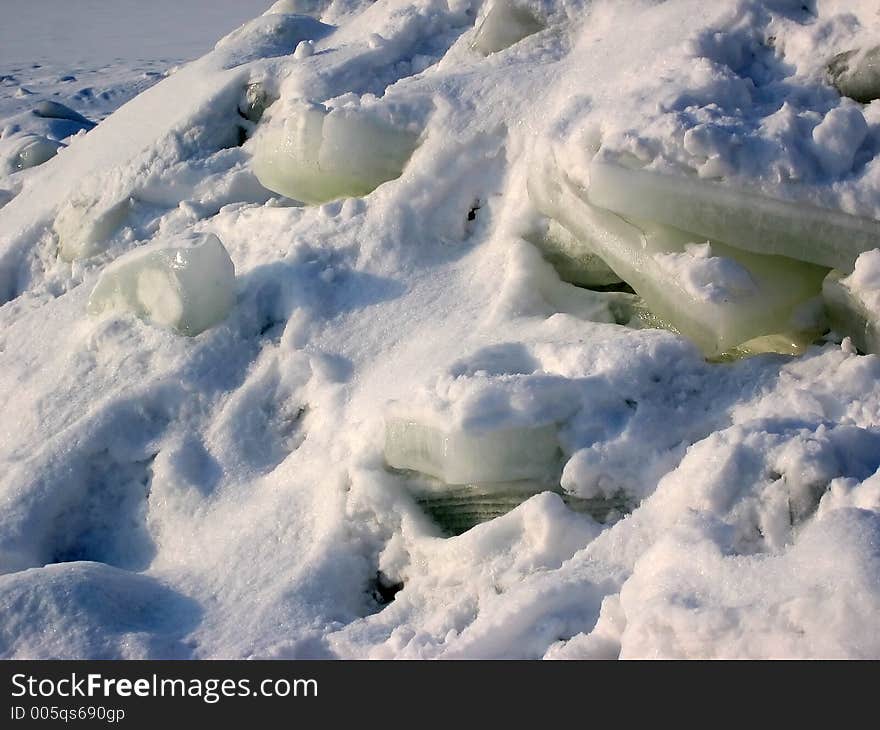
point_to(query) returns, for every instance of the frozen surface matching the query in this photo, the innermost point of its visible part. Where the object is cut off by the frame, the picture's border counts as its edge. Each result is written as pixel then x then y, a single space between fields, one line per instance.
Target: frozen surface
pixel 228 495
pixel 187 285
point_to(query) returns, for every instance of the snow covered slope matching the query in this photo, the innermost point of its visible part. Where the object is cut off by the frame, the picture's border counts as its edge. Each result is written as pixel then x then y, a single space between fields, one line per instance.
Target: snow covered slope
pixel 228 495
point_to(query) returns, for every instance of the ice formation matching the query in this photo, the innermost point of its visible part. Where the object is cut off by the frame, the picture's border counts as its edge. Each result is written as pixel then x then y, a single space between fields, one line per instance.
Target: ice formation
pixel 318 155
pixel 715 294
pixel 256 99
pixel 54 110
pixel 746 220
pixel 856 74
pixel 84 226
pixel 506 23
pixel 574 261
pixel 463 457
pixel 187 285
pixel 853 302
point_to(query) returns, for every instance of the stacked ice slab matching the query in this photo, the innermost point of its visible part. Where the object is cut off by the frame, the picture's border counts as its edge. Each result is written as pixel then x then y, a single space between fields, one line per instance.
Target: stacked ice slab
pixel 719 265
pixel 184 283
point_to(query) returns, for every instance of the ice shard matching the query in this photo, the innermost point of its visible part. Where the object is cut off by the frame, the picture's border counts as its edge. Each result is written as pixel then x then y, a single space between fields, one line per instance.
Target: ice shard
pixel 317 155
pixel 84 227
pixel 853 302
pixel 506 23
pixel 856 74
pixel 458 456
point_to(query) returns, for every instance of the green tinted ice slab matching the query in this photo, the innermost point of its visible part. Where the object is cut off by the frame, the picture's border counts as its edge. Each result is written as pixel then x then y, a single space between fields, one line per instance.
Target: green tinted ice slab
pixel 742 219
pixel 318 155
pixel 715 294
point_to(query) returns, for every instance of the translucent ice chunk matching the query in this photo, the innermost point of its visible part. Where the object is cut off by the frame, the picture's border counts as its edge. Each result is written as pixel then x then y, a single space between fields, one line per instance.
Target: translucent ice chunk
pixel 748 221
pixel 35 150
pixel 717 295
pixel 853 302
pixel 458 508
pixel 188 286
pixel 463 457
pixel 506 23
pixel 318 156
pixel 573 259
pixel 856 74
pixel 298 7
pixel 83 227
pixel 256 100
pixel 54 110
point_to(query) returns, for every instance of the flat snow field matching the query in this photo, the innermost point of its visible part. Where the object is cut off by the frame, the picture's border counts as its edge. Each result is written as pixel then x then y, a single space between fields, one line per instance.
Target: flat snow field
pixel 291 365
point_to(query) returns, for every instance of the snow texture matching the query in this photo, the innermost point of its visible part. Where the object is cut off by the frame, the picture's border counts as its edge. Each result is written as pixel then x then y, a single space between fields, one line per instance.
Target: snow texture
pixel 234 494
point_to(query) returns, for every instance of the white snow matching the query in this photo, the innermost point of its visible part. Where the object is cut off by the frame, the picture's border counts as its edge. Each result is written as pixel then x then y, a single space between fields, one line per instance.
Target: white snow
pixel 246 491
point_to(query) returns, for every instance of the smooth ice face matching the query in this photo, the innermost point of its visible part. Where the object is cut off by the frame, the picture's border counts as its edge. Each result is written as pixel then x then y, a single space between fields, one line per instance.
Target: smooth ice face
pixel 506 23
pixel 255 102
pixel 751 222
pixel 54 110
pixel 320 155
pixel 465 457
pixel 717 295
pixel 83 228
pixel 458 508
pixel 34 151
pixel 856 74
pixel 573 259
pixel 188 287
pixel 853 302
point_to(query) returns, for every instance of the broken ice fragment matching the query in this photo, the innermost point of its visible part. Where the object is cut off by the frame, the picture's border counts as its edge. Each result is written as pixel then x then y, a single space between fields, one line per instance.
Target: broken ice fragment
pixel 458 508
pixel 463 457
pixel 506 23
pixel 54 110
pixel 188 285
pixel 298 7
pixel 573 259
pixel 256 100
pixel 35 150
pixel 320 155
pixel 717 295
pixel 853 302
pixel 856 74
pixel 743 219
pixel 84 227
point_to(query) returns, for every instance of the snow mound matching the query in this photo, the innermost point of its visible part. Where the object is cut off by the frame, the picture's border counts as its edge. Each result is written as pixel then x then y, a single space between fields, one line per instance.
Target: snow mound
pixel 188 285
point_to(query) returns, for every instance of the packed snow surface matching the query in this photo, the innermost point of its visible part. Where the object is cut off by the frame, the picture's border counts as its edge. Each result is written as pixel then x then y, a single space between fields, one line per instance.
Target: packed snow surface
pixel 257 489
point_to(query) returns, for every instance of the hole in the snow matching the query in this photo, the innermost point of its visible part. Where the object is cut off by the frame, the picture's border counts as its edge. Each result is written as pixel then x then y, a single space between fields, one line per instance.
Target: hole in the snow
pixel 384 590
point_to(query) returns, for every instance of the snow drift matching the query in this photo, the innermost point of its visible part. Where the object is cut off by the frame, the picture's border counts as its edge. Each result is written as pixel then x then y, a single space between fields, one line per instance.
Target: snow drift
pixel 380 323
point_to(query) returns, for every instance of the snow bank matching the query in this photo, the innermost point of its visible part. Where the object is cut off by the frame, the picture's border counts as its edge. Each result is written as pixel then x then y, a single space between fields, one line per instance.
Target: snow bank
pixel 235 494
pixel 187 287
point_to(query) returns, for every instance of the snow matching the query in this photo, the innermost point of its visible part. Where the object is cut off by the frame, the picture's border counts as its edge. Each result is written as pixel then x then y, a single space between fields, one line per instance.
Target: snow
pixel 388 356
